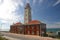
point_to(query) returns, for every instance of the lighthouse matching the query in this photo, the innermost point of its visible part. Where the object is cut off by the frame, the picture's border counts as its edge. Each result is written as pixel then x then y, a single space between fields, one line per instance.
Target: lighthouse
pixel 27 14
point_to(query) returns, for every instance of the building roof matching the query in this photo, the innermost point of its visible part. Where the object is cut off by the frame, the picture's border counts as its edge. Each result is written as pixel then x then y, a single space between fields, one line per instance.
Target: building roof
pixel 34 22
pixel 18 23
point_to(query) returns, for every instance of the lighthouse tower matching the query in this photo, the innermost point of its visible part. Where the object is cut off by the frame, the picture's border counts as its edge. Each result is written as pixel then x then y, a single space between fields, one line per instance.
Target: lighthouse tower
pixel 27 14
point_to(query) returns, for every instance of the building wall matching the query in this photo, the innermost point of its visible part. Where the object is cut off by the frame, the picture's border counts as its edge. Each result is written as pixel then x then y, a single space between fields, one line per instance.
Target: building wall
pixel 14 29
pixel 35 29
pixel 32 29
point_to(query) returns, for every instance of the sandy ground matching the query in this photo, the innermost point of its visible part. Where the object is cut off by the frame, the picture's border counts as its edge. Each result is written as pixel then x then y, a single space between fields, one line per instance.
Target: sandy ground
pixel 12 36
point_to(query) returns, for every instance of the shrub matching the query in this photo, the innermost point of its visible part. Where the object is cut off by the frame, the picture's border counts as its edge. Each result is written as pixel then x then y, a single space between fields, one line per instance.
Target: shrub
pixel 1 38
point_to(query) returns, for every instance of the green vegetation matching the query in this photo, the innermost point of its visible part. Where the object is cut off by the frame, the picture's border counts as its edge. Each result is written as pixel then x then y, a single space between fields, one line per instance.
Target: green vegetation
pixel 53 35
pixel 1 38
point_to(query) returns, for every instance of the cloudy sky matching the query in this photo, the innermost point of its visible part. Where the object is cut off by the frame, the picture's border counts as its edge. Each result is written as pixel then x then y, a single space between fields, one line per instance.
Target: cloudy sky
pixel 46 11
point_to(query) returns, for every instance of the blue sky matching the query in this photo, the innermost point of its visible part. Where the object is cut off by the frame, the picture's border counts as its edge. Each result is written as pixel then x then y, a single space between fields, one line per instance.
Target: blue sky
pixel 46 11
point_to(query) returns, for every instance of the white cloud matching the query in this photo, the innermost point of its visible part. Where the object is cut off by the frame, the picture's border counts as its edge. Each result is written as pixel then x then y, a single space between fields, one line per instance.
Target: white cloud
pixel 7 13
pixel 34 1
pixel 18 2
pixel 58 1
pixel 1 1
pixel 54 25
pixel 57 23
pixel 39 1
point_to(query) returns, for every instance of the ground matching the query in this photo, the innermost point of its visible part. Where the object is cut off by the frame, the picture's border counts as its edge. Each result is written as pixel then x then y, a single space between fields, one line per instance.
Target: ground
pixel 3 38
pixel 13 36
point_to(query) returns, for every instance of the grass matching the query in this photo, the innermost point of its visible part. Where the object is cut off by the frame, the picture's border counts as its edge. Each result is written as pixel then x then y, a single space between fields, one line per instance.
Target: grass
pixel 1 38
